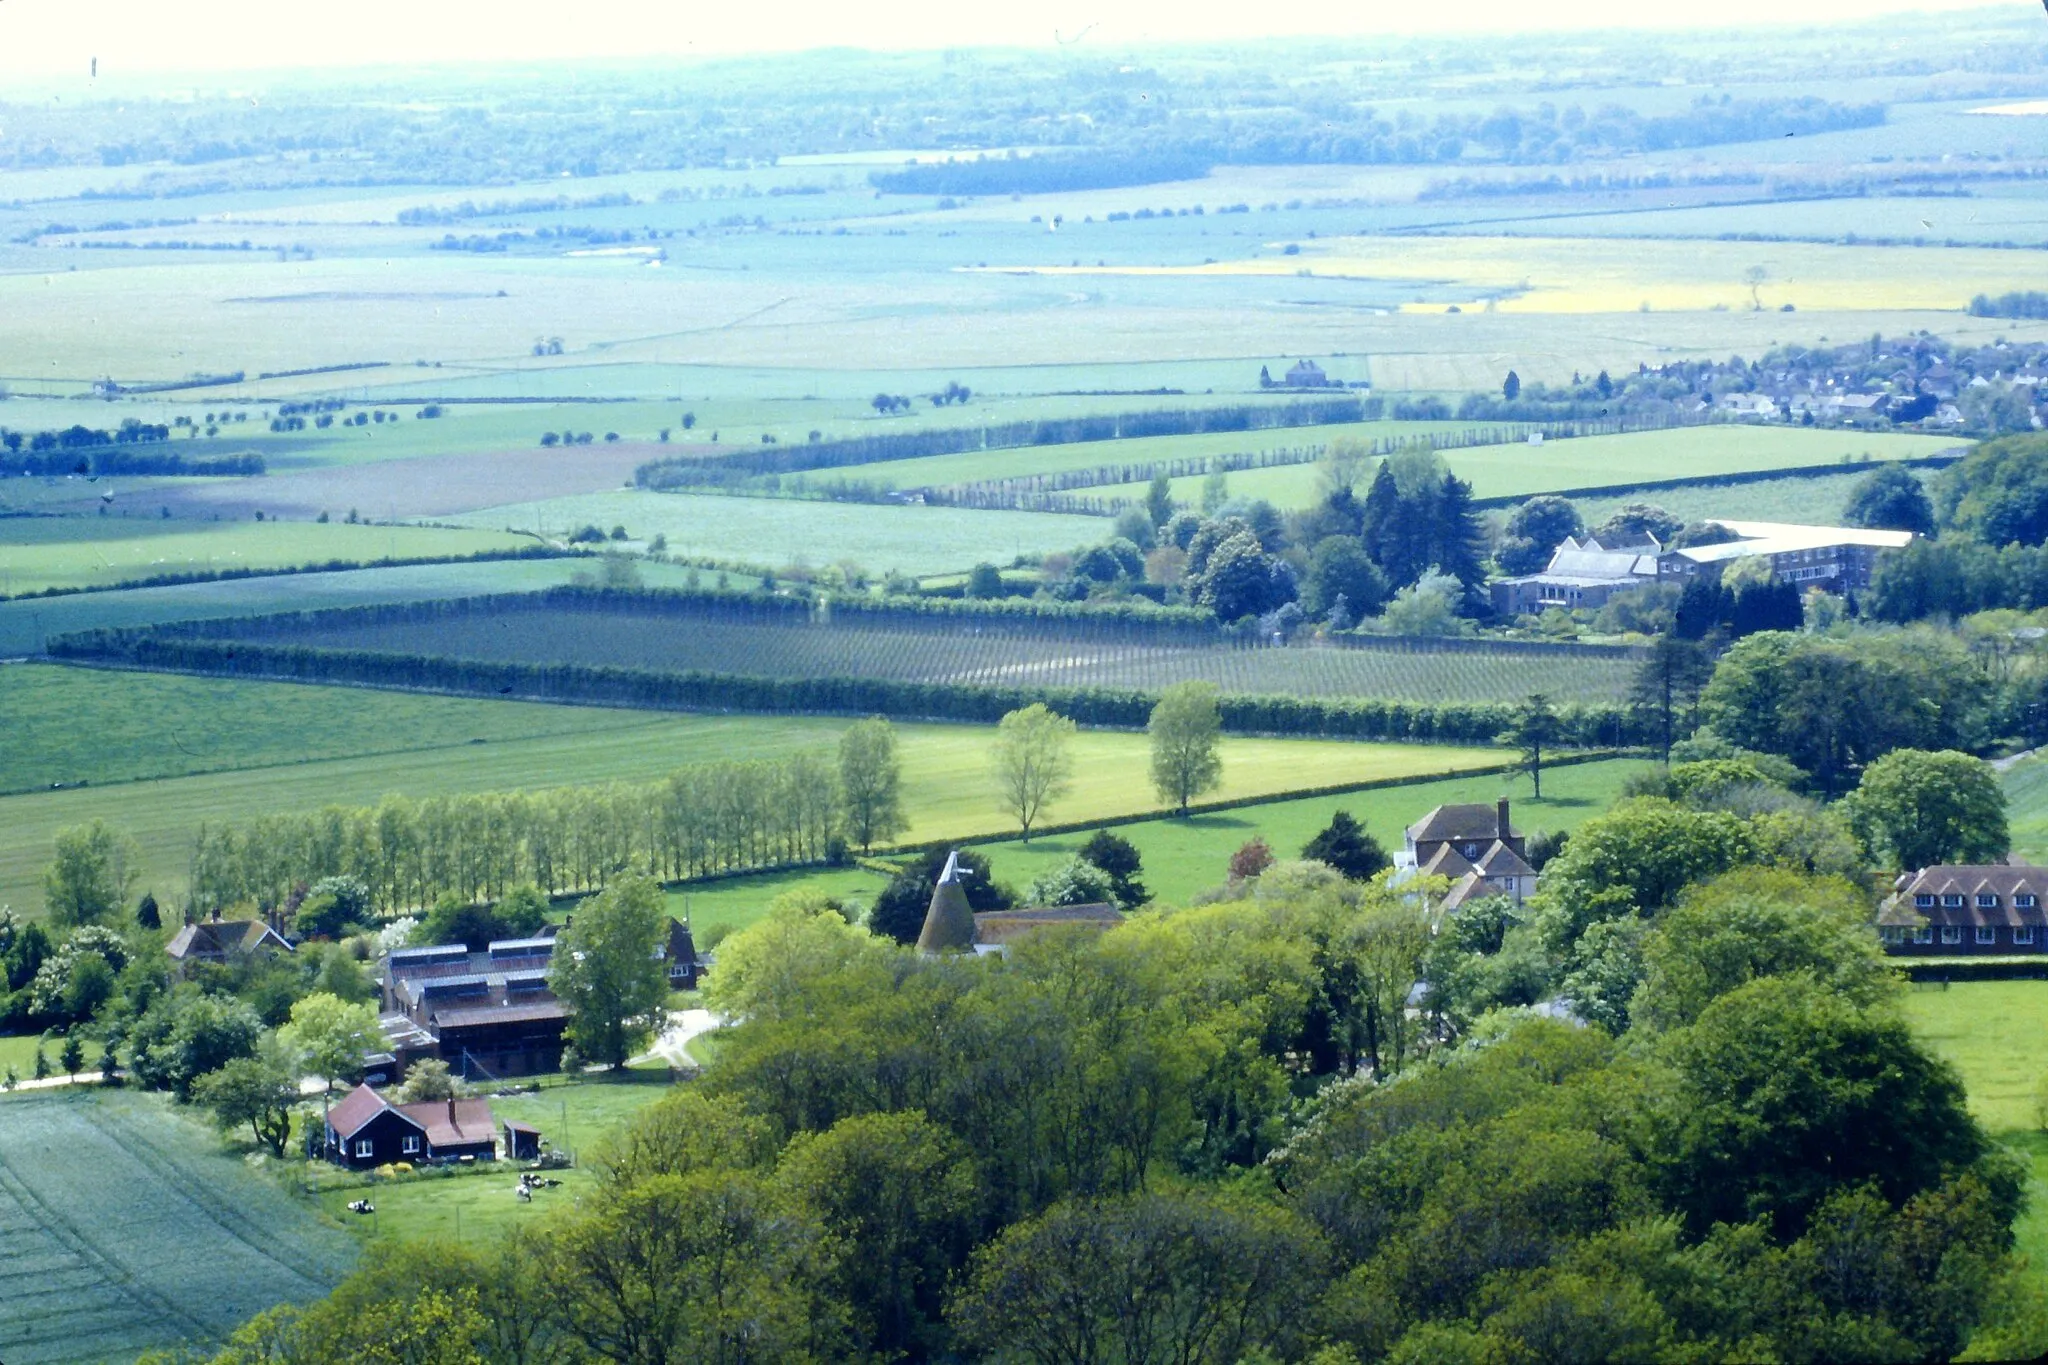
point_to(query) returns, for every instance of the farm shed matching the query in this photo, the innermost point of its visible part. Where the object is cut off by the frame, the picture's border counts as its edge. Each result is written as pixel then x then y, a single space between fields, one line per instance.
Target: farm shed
pixel 522 1141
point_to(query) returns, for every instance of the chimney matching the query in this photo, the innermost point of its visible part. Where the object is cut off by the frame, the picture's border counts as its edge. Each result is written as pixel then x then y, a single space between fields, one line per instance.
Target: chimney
pixel 1502 810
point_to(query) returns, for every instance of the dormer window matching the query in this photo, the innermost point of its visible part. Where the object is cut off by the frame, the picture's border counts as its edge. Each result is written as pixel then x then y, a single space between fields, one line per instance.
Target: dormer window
pixel 1987 900
pixel 1924 901
pixel 2024 900
pixel 1952 901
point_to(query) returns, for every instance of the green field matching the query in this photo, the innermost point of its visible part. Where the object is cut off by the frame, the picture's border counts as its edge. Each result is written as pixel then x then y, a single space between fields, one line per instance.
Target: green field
pixel 948 792
pixel 71 552
pixel 127 1227
pixel 1522 470
pixel 783 531
pixel 2026 796
pixel 1985 1028
pixel 1183 857
pixel 940 652
pixel 26 624
pixel 1812 499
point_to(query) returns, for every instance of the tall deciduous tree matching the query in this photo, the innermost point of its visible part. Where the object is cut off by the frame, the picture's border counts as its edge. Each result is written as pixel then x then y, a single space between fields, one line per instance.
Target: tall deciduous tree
pixel 259 1091
pixel 328 1037
pixel 1033 762
pixel 870 782
pixel 1186 729
pixel 1922 808
pixel 94 870
pixel 607 972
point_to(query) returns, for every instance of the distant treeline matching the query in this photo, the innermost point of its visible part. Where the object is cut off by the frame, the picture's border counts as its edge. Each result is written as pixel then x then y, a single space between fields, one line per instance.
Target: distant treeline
pixel 435 215
pixel 2031 303
pixel 704 820
pixel 1044 174
pixel 687 471
pixel 89 450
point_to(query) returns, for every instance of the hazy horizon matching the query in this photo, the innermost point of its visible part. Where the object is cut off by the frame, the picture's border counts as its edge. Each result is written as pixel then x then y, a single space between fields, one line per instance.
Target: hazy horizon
pixel 63 38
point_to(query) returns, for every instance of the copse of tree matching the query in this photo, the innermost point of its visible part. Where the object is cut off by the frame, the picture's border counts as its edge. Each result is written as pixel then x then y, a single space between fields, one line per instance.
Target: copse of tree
pixel 1890 498
pixel 608 971
pixel 1533 531
pixel 1997 493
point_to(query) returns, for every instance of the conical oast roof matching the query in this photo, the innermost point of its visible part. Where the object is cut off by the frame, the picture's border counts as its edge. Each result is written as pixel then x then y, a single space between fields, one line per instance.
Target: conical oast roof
pixel 949 923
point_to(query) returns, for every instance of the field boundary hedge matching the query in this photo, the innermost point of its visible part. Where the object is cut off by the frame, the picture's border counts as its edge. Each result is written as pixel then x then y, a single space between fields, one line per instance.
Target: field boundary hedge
pixel 1802 471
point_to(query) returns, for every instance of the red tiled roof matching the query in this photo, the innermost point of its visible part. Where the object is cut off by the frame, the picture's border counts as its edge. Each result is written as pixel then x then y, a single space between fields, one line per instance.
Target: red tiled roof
pixel 453 1123
pixel 362 1105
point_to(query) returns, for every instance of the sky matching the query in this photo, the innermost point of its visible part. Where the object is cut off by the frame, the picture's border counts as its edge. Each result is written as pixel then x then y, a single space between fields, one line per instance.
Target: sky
pixel 62 37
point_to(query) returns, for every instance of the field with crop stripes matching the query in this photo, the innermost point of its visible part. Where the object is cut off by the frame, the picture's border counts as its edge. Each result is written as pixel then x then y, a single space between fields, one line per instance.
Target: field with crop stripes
pixel 125 1228
pixel 988 655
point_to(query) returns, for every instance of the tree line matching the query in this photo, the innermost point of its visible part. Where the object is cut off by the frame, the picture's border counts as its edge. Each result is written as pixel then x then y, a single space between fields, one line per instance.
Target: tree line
pixel 700 821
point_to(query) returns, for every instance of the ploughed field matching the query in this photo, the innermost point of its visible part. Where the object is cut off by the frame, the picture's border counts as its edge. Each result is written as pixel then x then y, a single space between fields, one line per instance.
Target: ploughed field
pixel 984 654
pixel 124 1228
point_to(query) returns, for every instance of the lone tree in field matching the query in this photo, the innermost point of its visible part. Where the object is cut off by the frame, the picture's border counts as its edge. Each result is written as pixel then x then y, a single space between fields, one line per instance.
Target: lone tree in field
pixel 1534 728
pixel 1033 762
pixel 607 972
pixel 94 870
pixel 1511 387
pixel 870 782
pixel 1186 727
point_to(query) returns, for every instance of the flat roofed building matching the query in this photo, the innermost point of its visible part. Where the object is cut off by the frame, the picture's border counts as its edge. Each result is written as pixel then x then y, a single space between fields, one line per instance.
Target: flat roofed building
pixel 1834 557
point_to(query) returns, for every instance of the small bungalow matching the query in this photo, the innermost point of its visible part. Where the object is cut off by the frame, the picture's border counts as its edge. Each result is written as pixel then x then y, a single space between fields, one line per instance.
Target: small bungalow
pixel 220 942
pixel 1953 910
pixel 366 1129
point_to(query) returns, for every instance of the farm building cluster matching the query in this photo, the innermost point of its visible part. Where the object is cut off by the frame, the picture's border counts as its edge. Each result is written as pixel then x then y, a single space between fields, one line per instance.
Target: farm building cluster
pixel 1589 573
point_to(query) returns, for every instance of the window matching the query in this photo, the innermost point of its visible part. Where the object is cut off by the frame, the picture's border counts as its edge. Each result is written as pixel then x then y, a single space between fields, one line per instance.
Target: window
pixel 364 1147
pixel 1987 900
pixel 1893 934
pixel 1952 900
pixel 1923 934
pixel 2023 934
pixel 1925 900
pixel 1986 934
pixel 411 1145
pixel 2024 901
pixel 1951 933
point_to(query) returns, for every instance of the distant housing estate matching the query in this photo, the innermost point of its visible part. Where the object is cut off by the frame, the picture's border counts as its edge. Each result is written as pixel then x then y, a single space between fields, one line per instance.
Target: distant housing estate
pixel 1588 573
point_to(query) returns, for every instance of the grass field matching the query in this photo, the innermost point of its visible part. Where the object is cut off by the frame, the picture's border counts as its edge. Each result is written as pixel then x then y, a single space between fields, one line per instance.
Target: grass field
pixel 1182 857
pixel 947 789
pixel 127 1228
pixel 24 625
pixel 779 531
pixel 70 552
pixel 941 653
pixel 1986 1029
pixel 1814 499
pixel 1574 275
pixel 1523 470
pixel 2026 811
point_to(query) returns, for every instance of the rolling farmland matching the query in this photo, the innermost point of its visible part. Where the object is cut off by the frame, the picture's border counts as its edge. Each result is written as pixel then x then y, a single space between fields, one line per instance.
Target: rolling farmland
pixel 126 1229
pixel 460 745
pixel 989 655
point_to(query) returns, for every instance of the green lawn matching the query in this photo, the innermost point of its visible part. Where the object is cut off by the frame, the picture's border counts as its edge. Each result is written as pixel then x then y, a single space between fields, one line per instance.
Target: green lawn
pixel 2026 811
pixel 18 1050
pixel 948 792
pixel 80 552
pixel 477 1206
pixel 1987 1028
